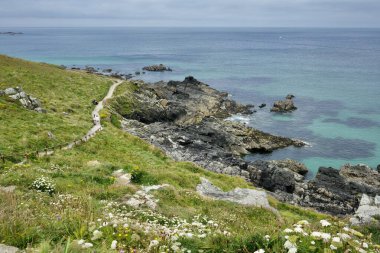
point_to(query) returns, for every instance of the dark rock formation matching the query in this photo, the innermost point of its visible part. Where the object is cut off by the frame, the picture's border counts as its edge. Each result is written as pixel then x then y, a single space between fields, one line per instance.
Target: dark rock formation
pixel 262 105
pixel 378 168
pixel 107 70
pixel 157 68
pixel 286 105
pixel 187 120
pixel 10 33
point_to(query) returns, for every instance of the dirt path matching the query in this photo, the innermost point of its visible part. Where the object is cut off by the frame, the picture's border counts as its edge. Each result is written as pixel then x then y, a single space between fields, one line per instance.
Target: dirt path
pixel 96 120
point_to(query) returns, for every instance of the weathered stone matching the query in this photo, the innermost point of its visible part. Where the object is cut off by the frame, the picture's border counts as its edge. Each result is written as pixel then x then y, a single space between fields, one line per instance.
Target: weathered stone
pixel 10 91
pixel 286 105
pixel 248 197
pixel 8 249
pixel 157 68
pixel 367 211
pixel 122 179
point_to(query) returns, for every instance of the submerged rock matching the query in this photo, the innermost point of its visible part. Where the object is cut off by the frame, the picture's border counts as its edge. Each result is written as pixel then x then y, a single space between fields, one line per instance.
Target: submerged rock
pixel 286 105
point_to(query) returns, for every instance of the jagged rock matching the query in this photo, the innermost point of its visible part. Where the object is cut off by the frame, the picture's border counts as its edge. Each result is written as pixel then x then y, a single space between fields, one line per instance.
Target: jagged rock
pixel 26 100
pixel 368 211
pixel 157 68
pixel 262 105
pixel 286 105
pixel 10 91
pixel 90 69
pixel 8 249
pixel 248 197
pixel 107 70
pixel 378 168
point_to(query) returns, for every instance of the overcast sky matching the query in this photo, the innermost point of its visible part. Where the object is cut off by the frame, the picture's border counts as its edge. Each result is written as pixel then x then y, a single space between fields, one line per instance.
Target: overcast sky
pixel 244 13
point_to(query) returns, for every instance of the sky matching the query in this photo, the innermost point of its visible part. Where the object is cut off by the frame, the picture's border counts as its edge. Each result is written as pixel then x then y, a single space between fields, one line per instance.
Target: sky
pixel 190 13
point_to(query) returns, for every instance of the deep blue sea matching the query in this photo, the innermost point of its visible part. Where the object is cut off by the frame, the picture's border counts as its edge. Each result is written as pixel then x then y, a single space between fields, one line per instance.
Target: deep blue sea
pixel 334 74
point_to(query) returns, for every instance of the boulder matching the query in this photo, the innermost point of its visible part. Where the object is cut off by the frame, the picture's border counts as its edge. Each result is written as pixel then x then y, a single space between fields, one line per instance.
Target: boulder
pixel 262 105
pixel 286 105
pixel 8 249
pixel 10 91
pixel 367 212
pixel 248 197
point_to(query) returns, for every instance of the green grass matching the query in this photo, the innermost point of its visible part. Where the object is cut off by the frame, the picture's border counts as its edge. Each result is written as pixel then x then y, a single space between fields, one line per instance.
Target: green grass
pixel 35 220
pixel 60 91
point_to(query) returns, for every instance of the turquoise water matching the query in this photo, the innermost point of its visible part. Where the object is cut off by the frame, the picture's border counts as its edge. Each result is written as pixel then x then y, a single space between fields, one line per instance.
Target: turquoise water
pixel 334 74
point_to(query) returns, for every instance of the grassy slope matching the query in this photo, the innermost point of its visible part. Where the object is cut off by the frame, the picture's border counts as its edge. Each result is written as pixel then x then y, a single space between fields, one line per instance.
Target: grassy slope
pixel 29 218
pixel 59 91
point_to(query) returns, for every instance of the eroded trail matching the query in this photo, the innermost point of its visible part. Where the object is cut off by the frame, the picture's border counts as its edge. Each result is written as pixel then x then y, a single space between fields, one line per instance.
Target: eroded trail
pixel 95 118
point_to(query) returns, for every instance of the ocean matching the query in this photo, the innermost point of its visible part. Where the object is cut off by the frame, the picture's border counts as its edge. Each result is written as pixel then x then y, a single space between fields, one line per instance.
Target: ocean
pixel 334 74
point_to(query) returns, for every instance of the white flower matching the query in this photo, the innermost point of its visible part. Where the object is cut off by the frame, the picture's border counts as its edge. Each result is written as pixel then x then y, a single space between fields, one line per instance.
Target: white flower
pixel 288 230
pixel 87 245
pixel 316 234
pixel 153 243
pixel 267 237
pixel 298 230
pixel 288 245
pixel 260 251
pixel 333 247
pixel 189 235
pixel 326 237
pixel 96 235
pixel 344 236
pixel 365 245
pixel 292 250
pixel 113 244
pixel 336 239
pixel 80 242
pixel 325 223
pixel 312 243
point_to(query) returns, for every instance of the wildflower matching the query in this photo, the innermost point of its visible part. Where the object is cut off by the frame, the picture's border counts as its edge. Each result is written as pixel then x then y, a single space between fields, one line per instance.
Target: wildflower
pixel 288 230
pixel 81 241
pixel 96 235
pixel 113 244
pixel 298 230
pixel 316 234
pixel 326 237
pixel 288 245
pixel 267 237
pixel 336 239
pixel 153 243
pixel 87 245
pixel 292 250
pixel 260 251
pixel 312 242
pixel 325 223
pixel 345 237
pixel 189 235
pixel 332 247
pixel 365 245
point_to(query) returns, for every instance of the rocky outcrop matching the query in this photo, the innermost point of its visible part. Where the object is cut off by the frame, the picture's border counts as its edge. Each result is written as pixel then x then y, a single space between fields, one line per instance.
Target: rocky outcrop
pixel 24 99
pixel 286 105
pixel 368 211
pixel 248 197
pixel 187 120
pixel 157 68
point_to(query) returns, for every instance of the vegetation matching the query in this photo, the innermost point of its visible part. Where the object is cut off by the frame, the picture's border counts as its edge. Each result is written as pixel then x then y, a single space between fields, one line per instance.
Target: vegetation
pixel 69 202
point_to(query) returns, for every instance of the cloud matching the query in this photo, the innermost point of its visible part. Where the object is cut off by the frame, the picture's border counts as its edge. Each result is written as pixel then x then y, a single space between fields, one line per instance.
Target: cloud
pixel 322 13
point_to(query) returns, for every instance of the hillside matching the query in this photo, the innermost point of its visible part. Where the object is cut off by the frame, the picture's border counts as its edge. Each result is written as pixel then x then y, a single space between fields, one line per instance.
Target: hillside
pixel 81 200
